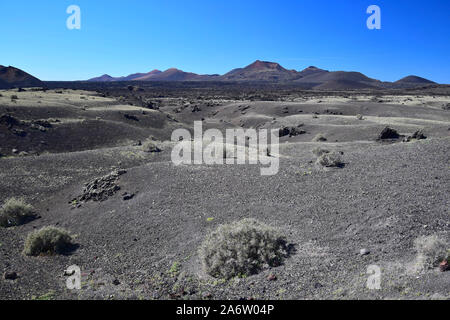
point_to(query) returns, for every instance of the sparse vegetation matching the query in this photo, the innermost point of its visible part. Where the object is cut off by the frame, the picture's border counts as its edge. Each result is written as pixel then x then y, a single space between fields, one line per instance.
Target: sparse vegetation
pixel 331 159
pixel 241 248
pixel 318 151
pixel 47 240
pixel 15 212
pixel 14 98
pixel 150 146
pixel 359 117
pixel 319 138
pixel 431 250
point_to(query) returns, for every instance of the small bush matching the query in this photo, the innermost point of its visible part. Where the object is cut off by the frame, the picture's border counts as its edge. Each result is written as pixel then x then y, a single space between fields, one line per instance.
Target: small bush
pixel 241 248
pixel 319 151
pixel 15 212
pixel 319 137
pixel 47 240
pixel 431 250
pixel 331 159
pixel 150 146
pixel 359 117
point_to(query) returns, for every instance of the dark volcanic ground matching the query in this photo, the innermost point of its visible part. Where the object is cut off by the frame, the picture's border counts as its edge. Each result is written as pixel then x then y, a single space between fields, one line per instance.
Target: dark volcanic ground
pixel 386 196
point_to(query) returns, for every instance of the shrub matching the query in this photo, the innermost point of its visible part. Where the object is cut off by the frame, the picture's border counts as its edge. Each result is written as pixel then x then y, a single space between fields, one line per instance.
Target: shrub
pixel 150 146
pixel 47 240
pixel 319 137
pixel 15 212
pixel 241 248
pixel 331 159
pixel 319 151
pixel 431 250
pixel 359 117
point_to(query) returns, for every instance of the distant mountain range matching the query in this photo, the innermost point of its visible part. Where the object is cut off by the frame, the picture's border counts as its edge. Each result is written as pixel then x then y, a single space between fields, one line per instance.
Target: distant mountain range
pixel 12 77
pixel 258 71
pixel 311 77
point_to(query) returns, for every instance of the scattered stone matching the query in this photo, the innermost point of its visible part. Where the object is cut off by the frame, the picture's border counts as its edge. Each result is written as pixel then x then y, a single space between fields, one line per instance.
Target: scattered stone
pixel 15 151
pixel 444 266
pixel 272 277
pixel 291 131
pixel 116 282
pixel 100 189
pixel 126 196
pixel 10 275
pixel 131 117
pixel 19 132
pixel 9 121
pixel 364 252
pixel 207 295
pixel 196 109
pixel 418 135
pixel 388 133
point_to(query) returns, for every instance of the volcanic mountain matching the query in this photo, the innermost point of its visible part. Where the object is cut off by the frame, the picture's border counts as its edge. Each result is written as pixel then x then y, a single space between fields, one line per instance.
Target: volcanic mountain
pixel 173 74
pixel 415 80
pixel 131 77
pixel 11 77
pixel 265 71
pixel 261 71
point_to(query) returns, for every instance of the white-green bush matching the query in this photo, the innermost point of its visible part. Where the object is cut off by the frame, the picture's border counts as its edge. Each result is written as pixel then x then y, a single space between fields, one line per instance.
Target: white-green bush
pixel 241 248
pixel 47 240
pixel 15 212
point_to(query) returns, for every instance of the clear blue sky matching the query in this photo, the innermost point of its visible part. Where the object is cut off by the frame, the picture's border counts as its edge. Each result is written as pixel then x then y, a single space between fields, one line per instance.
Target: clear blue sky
pixel 215 36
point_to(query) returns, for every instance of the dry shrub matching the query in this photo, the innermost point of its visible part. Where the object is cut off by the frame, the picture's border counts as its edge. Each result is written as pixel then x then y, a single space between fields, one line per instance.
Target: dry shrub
pixel 15 212
pixel 242 248
pixel 331 159
pixel 150 146
pixel 47 240
pixel 318 151
pixel 319 138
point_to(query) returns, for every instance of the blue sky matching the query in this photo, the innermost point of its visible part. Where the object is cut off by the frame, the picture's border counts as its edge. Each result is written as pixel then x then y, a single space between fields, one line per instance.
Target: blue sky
pixel 215 36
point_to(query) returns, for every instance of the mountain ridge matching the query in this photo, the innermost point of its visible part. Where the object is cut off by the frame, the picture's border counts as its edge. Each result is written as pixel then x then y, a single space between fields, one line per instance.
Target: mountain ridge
pixel 267 71
pixel 11 77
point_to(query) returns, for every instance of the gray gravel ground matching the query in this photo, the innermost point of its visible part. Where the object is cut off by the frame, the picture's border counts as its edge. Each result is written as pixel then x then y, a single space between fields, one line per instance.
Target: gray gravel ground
pixel 385 197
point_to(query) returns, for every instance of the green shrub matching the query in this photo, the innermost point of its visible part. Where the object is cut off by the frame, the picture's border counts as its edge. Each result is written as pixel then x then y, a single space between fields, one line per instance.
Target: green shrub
pixel 47 240
pixel 319 138
pixel 331 159
pixel 241 248
pixel 15 212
